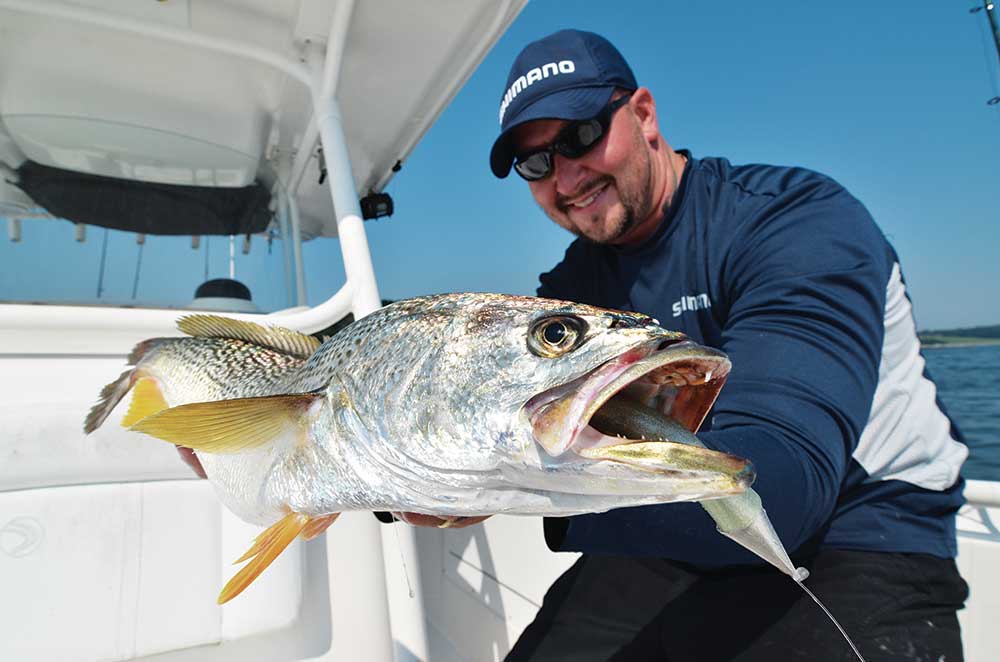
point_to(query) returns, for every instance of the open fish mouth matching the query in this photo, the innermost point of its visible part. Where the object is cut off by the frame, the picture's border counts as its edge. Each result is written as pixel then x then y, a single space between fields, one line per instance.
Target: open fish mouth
pixel 678 378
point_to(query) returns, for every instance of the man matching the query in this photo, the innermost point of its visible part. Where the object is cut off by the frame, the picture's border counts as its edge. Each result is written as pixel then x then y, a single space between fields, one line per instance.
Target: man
pixel 781 268
pixel 787 273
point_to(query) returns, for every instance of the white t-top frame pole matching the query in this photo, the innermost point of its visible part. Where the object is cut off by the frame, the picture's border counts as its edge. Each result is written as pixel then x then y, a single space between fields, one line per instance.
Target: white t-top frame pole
pixel 358 598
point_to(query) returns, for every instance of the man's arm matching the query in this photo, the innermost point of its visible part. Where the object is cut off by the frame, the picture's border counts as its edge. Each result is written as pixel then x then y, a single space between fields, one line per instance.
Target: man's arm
pixel 805 287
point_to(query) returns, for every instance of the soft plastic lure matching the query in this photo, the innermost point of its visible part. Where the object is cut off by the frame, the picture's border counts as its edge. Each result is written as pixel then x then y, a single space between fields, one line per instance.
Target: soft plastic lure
pixel 741 518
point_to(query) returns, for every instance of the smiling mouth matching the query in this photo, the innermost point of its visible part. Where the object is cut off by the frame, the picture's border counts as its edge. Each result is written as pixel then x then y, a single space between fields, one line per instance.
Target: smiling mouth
pixel 582 202
pixel 587 201
pixel 677 379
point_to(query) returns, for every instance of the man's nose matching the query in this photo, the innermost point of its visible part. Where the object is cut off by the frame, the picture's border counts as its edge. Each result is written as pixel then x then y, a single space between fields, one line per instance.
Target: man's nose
pixel 568 173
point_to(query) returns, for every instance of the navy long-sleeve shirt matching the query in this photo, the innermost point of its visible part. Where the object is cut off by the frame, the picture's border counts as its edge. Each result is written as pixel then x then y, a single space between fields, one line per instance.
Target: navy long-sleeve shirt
pixel 787 273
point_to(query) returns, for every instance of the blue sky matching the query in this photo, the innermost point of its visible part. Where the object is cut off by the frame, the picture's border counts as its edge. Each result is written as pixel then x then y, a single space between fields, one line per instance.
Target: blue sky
pixel 888 98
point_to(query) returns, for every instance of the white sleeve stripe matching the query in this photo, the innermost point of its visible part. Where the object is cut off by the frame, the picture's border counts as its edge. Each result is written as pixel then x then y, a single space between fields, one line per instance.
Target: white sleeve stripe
pixel 907 436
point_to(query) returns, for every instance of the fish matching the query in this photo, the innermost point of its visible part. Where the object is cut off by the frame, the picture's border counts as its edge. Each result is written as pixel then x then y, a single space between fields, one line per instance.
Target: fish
pixel 463 404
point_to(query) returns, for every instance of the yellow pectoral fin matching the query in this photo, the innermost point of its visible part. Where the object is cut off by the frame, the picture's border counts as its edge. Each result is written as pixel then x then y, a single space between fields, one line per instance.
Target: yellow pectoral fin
pixel 229 426
pixel 146 401
pixel 265 549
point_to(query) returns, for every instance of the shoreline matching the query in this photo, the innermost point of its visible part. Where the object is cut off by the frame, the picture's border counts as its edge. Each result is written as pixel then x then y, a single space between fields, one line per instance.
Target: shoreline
pixel 972 343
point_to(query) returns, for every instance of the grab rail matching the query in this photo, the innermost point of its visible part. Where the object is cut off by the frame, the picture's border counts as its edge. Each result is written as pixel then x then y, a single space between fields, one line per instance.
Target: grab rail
pixel 983 493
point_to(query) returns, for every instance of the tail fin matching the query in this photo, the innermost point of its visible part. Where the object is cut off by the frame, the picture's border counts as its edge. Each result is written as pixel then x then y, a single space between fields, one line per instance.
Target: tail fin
pixel 140 351
pixel 112 394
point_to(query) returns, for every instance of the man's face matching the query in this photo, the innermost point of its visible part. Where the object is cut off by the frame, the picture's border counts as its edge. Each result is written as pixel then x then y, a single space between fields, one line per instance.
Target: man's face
pixel 606 194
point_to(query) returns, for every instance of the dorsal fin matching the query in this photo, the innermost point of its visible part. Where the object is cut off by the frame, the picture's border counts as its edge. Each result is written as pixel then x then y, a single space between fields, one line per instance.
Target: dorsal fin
pixel 276 337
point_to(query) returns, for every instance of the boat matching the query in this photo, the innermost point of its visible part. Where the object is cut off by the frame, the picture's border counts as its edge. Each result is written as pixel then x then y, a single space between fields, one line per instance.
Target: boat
pixel 247 122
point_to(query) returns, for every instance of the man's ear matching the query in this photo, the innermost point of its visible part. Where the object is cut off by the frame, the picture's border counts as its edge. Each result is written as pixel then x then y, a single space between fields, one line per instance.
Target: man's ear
pixel 644 109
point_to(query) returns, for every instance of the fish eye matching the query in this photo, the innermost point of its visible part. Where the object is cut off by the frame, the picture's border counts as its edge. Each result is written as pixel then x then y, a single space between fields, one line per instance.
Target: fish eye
pixel 554 332
pixel 554 336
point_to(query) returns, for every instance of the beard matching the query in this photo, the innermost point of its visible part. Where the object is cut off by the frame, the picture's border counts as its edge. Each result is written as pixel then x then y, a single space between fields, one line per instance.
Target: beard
pixel 634 190
pixel 617 225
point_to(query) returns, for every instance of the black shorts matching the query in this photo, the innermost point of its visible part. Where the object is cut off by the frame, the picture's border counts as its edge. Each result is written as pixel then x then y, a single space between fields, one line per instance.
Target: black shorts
pixel 894 607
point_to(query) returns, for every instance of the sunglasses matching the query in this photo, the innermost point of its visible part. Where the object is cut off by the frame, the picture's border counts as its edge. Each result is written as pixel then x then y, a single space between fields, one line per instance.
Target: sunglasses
pixel 576 139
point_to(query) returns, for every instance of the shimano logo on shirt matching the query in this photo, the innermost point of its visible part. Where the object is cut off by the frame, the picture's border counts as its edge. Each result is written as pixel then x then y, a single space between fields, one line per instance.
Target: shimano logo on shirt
pixel 696 302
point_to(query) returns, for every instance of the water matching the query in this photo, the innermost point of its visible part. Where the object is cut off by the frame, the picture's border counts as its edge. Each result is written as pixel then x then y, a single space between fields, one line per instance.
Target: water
pixel 968 380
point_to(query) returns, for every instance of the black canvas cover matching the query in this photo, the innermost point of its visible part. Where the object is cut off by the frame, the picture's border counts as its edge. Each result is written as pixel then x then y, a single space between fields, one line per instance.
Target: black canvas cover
pixel 145 207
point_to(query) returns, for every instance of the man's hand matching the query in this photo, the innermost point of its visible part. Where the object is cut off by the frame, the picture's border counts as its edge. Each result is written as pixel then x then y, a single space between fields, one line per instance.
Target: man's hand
pixel 416 519
pixel 192 461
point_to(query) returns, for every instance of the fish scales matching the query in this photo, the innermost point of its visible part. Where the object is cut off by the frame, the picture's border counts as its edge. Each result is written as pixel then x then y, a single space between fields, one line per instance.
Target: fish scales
pixel 195 369
pixel 450 405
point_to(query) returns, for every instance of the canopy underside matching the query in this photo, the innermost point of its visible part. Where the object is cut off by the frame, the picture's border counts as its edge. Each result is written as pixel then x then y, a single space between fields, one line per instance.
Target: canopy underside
pixel 197 94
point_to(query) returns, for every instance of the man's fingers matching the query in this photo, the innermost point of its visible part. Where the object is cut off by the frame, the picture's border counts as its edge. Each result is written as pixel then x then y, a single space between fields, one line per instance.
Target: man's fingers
pixel 417 519
pixel 462 522
pixel 192 461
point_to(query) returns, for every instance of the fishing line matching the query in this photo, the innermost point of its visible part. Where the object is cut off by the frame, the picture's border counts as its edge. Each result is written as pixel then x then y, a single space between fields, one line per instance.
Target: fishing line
pixel 402 558
pixel 741 518
pixel 827 612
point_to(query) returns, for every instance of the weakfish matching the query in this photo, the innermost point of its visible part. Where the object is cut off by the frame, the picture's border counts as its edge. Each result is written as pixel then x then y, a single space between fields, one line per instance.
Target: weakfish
pixel 447 405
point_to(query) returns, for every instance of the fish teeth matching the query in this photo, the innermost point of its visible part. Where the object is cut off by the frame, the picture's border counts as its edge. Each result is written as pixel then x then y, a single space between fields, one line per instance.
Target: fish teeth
pixel 693 376
pixel 680 377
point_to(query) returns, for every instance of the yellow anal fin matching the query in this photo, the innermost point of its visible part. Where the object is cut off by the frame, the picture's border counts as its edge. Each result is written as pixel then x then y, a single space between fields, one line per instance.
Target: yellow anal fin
pixel 229 426
pixel 315 527
pixel 146 400
pixel 259 543
pixel 318 525
pixel 267 548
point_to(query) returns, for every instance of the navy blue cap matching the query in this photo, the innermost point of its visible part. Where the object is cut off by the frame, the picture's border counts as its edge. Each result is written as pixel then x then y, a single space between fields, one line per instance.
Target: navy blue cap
pixel 569 75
